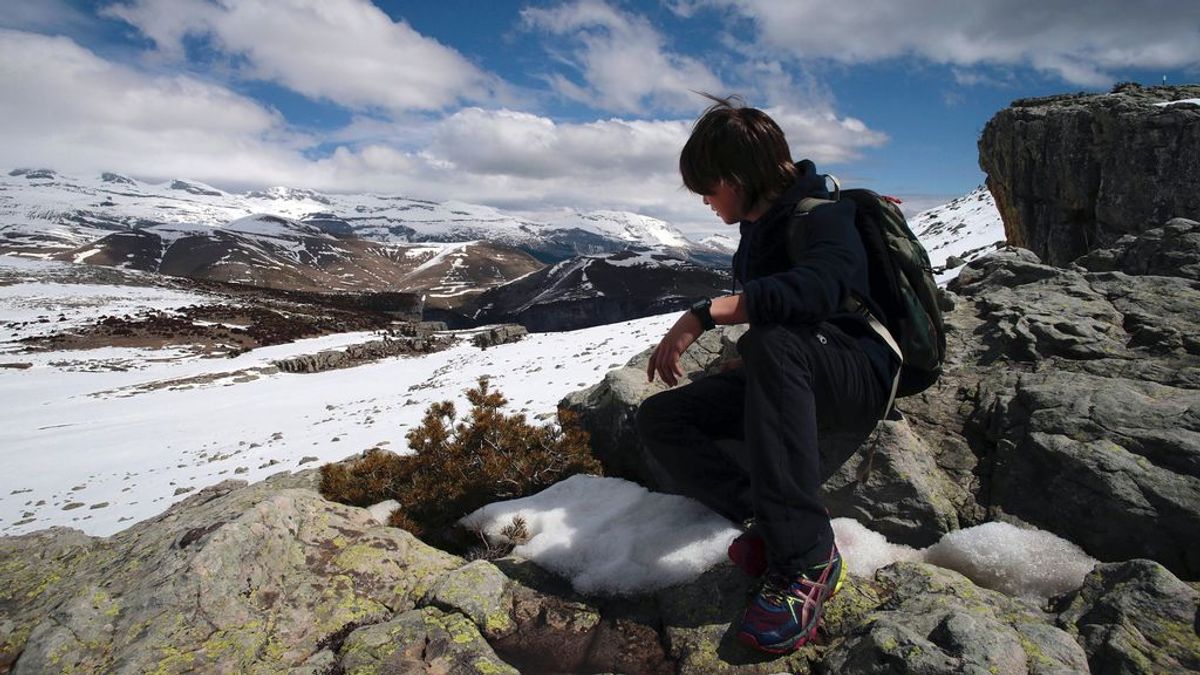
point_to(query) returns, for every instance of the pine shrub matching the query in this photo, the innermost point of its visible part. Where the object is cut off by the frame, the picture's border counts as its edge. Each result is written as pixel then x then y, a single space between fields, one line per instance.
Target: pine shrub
pixel 459 465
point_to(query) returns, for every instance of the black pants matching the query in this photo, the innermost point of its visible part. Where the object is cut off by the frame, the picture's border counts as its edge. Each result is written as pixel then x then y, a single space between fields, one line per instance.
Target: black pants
pixel 796 382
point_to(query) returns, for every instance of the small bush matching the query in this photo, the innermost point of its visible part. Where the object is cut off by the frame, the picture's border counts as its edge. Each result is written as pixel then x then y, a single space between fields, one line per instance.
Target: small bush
pixel 461 465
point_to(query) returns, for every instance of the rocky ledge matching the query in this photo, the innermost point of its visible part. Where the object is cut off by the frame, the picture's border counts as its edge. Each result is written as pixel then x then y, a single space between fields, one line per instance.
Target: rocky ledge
pixel 1072 173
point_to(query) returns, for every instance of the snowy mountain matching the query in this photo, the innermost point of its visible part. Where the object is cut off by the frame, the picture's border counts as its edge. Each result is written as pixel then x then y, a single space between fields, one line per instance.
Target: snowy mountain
pixel 274 252
pixel 959 231
pixel 44 212
pixel 594 290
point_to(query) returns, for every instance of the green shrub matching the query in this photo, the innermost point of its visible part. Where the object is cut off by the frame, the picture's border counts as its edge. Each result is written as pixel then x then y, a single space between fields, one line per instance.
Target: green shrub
pixel 461 465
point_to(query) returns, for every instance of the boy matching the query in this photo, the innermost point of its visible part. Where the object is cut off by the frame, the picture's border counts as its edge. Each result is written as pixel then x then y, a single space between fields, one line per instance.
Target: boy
pixel 806 367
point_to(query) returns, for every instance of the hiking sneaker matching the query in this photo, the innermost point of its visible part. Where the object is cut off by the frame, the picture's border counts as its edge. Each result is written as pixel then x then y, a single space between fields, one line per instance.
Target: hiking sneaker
pixel 749 553
pixel 785 612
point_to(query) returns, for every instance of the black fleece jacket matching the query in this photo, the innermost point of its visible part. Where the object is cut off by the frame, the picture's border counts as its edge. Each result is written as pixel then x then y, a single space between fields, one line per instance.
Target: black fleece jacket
pixel 811 290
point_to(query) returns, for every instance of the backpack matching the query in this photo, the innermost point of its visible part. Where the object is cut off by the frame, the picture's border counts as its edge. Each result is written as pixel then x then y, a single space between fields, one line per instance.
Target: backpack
pixel 901 284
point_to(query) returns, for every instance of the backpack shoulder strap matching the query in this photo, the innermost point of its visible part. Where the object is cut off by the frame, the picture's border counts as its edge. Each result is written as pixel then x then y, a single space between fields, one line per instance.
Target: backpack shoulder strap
pixel 809 203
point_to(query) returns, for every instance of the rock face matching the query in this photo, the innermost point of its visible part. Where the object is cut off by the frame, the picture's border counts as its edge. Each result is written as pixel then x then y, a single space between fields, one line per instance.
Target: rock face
pixel 1074 173
pixel 1133 617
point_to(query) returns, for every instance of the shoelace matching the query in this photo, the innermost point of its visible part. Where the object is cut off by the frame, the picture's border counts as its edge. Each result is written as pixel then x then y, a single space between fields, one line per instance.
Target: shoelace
pixel 775 587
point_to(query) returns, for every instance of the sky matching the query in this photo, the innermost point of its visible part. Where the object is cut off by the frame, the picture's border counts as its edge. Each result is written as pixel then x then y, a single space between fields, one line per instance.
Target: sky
pixel 542 106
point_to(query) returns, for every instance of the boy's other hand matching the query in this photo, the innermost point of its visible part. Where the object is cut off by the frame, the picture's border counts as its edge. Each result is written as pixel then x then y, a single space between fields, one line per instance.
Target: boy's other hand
pixel 731 364
pixel 665 359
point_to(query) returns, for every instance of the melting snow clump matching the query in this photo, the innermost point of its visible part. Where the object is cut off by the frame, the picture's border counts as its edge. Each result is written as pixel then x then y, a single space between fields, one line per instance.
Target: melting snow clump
pixel 866 551
pixel 612 537
pixel 1015 561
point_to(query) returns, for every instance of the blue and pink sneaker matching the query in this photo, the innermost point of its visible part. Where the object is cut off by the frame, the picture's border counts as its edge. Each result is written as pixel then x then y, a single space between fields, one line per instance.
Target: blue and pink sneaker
pixel 785 612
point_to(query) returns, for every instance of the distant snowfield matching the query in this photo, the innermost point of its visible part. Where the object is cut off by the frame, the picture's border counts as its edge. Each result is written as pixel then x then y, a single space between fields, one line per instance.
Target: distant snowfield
pixel 967 227
pixel 99 439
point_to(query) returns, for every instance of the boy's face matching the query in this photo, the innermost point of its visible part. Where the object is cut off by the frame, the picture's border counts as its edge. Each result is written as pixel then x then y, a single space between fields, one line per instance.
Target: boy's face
pixel 726 201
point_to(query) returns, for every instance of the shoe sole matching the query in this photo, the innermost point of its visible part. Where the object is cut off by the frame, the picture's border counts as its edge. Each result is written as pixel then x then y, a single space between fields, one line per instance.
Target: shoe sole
pixel 802 639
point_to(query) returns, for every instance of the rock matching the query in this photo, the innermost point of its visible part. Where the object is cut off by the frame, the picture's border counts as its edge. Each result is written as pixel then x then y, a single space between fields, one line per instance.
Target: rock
pixel 1108 463
pixel 936 621
pixel 1175 246
pixel 356 355
pixel 424 640
pixel 894 484
pixel 232 578
pixel 499 335
pixel 1135 617
pixel 1074 173
pixel 480 592
pixel 953 262
pixel 607 410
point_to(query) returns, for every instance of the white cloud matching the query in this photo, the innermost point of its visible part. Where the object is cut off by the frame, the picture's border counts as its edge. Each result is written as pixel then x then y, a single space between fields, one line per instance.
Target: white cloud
pixel 345 51
pixel 68 109
pixel 1083 43
pixel 625 63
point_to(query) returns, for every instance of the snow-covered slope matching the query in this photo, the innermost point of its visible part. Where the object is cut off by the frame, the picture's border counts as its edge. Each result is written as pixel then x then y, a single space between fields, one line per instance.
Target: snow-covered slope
pixel 967 227
pixel 98 438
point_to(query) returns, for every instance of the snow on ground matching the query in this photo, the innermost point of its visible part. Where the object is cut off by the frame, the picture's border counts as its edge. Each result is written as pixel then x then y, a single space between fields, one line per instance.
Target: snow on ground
pixel 98 439
pixel 967 227
pixel 610 537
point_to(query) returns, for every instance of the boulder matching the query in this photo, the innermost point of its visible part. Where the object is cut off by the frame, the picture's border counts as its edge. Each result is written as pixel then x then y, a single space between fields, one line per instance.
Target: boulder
pixel 895 485
pixel 499 335
pixel 937 621
pixel 1076 172
pixel 1135 617
pixel 608 410
pixel 234 578
pixel 425 640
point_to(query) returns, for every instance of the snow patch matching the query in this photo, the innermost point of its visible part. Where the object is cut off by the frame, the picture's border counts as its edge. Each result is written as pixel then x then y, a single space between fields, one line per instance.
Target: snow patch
pixel 1185 101
pixel 1015 561
pixel 612 537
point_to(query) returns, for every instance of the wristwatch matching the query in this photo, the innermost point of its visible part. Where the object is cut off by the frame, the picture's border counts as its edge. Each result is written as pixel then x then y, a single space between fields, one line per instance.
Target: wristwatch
pixel 703 311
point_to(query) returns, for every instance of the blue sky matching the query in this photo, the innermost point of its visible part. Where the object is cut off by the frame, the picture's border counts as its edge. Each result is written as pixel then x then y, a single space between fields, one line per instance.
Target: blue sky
pixel 538 106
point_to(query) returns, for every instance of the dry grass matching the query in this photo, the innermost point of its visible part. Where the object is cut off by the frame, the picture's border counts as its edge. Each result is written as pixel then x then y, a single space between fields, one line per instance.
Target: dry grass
pixel 461 465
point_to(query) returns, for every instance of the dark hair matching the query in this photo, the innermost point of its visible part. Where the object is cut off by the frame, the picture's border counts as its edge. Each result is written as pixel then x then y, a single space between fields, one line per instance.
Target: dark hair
pixel 741 146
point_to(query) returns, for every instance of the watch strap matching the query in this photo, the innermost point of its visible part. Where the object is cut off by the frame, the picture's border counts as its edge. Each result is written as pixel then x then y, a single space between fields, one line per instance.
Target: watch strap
pixel 703 311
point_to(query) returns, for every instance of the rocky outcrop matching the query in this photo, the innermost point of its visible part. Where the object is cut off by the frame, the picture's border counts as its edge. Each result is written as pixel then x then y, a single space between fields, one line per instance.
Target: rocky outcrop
pixel 357 355
pixel 499 335
pixel 1069 402
pixel 1135 617
pixel 1074 173
pixel 937 621
pixel 272 578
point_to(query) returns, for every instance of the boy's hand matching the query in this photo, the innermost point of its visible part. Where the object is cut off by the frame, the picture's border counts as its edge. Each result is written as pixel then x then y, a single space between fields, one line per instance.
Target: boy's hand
pixel 665 359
